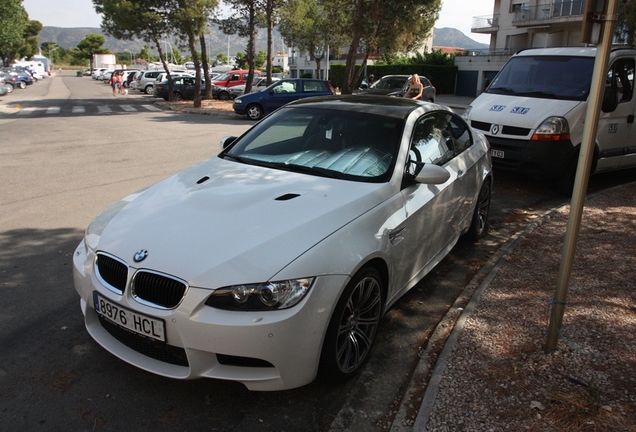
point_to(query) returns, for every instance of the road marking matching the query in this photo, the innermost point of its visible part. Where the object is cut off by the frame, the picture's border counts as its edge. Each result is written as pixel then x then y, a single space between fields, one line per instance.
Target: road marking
pixel 151 108
pixel 128 108
pixel 53 110
pixel 26 111
pixel 79 109
pixel 104 109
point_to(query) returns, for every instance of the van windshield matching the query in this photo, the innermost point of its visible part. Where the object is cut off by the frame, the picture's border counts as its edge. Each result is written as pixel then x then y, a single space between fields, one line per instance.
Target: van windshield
pixel 549 77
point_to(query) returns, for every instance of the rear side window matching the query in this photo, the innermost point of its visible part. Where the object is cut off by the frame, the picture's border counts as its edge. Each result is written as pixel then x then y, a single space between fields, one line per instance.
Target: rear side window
pixel 621 77
pixel 315 86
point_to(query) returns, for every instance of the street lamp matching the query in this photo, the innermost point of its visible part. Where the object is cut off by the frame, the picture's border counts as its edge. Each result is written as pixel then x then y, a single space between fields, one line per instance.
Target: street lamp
pixel 131 58
pixel 51 56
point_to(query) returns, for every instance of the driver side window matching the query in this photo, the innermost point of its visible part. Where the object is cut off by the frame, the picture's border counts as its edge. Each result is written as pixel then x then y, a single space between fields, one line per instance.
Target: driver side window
pixel 432 140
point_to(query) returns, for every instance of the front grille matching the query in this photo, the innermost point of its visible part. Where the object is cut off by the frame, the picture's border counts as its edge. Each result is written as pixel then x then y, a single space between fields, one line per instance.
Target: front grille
pixel 154 349
pixel 516 131
pixel 481 125
pixel 111 271
pixel 229 360
pixel 158 289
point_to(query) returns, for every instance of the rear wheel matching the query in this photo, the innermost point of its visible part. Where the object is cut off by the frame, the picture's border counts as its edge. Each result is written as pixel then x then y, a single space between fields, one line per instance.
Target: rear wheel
pixel 176 96
pixel 9 87
pixel 254 112
pixel 353 326
pixel 22 85
pixel 479 225
pixel 224 95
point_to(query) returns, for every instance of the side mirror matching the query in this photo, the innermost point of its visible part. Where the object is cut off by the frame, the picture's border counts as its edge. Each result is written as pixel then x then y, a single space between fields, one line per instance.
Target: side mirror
pixel 364 85
pixel 432 174
pixel 227 141
pixel 610 99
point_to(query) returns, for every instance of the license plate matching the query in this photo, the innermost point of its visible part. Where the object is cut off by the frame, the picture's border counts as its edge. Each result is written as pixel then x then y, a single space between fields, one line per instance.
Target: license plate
pixel 143 325
pixel 497 153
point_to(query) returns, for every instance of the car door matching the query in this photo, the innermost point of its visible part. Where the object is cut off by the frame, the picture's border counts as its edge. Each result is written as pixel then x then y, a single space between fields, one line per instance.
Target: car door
pixel 280 94
pixel 188 88
pixel 616 132
pixel 434 213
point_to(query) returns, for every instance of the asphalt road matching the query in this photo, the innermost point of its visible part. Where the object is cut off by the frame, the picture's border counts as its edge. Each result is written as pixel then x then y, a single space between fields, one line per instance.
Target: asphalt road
pixel 60 169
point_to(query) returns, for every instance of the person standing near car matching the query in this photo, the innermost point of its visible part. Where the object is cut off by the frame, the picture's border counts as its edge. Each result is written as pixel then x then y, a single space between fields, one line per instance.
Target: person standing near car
pixel 113 83
pixel 415 89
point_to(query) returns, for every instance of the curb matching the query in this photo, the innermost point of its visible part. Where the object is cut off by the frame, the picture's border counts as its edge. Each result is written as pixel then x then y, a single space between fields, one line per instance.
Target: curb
pixel 198 111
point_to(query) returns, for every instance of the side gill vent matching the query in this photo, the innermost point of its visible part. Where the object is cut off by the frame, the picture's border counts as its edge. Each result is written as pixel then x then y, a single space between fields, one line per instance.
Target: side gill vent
pixel 287 197
pixel 203 179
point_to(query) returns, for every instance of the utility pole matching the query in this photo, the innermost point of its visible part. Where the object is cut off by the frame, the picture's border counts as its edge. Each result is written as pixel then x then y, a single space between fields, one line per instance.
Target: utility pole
pixel 598 25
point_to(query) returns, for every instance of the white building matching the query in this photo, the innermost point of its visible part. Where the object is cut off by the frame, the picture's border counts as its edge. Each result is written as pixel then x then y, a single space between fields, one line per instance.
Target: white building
pixel 515 25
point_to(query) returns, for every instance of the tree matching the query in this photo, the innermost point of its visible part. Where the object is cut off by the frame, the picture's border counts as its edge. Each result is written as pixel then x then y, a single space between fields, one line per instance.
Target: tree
pixel 189 18
pixel 260 59
pixel 13 20
pixel 243 23
pixel 144 19
pixel 29 46
pixel 309 26
pixel 374 26
pixel 626 25
pixel 91 44
pixel 222 58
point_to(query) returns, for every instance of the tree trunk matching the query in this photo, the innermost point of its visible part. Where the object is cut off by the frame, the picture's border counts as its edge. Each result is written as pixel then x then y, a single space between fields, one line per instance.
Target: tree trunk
pixel 350 68
pixel 250 47
pixel 270 39
pixel 156 39
pixel 206 70
pixel 197 67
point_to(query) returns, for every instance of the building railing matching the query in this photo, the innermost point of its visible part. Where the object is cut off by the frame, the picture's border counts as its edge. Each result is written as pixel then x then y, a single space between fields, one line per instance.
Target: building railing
pixel 548 11
pixel 485 22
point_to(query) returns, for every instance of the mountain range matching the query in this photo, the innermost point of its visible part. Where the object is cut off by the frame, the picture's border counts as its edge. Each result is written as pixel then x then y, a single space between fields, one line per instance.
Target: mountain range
pixel 217 41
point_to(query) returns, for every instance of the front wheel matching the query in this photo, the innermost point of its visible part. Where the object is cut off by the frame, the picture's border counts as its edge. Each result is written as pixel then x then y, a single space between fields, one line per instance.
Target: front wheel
pixel 353 326
pixel 149 89
pixel 479 225
pixel 22 85
pixel 254 112
pixel 224 95
pixel 9 87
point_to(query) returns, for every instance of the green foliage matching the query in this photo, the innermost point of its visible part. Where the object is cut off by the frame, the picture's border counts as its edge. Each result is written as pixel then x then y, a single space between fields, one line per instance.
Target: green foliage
pixel 260 59
pixel 277 69
pixel 222 58
pixel 306 75
pixel 13 23
pixel 91 44
pixel 241 60
pixel 146 55
pixel 435 57
pixel 626 25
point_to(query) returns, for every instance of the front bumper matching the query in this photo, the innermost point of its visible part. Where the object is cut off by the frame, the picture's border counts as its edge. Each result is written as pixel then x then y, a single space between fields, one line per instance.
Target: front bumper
pixel 544 159
pixel 272 350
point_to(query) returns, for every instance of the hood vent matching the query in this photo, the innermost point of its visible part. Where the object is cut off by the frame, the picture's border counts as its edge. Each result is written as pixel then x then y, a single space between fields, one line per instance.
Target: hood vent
pixel 287 197
pixel 203 179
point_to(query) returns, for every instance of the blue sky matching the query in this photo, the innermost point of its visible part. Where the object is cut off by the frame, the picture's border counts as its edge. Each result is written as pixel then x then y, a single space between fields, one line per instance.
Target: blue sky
pixel 80 13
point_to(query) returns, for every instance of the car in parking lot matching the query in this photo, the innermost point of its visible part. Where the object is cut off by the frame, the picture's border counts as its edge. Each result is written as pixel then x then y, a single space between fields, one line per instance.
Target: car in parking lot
pixel 256 105
pixel 145 81
pixel 398 85
pixel 278 257
pixel 182 88
pixel 23 79
pixel 225 93
pixel 10 81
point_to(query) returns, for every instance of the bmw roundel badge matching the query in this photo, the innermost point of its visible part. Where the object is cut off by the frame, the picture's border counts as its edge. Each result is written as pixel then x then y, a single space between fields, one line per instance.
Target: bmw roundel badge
pixel 141 255
pixel 495 129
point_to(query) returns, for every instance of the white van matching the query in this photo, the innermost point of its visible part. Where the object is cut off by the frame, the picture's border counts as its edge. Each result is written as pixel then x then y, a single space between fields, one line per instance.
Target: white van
pixel 533 113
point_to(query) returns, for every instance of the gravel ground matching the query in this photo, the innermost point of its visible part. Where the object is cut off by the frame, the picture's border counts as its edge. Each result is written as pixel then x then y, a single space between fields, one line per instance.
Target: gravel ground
pixel 498 377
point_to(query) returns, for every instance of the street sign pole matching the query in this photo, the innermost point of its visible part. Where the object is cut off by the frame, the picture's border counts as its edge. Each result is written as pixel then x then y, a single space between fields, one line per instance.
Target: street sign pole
pixel 593 18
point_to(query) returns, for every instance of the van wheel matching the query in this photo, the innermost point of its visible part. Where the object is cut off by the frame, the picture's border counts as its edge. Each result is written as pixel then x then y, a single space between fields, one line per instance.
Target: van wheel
pixel 254 112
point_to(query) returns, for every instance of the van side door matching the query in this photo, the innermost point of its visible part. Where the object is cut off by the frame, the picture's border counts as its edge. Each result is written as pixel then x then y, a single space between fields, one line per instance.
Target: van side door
pixel 616 132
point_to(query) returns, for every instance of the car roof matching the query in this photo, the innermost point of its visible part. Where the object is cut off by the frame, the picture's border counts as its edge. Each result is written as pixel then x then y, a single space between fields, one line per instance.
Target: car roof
pixel 388 106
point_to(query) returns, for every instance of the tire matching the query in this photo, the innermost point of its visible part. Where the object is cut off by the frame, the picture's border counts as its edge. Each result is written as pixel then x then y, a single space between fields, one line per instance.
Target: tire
pixel 9 87
pixel 22 85
pixel 224 95
pixel 353 326
pixel 149 89
pixel 479 225
pixel 254 112
pixel 176 96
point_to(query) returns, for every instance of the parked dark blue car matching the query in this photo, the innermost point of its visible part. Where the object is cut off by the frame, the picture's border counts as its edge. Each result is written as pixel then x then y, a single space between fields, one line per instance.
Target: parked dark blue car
pixel 256 105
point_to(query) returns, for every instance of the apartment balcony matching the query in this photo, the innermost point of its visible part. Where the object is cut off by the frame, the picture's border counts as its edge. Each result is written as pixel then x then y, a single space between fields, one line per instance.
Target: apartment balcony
pixel 485 24
pixel 556 12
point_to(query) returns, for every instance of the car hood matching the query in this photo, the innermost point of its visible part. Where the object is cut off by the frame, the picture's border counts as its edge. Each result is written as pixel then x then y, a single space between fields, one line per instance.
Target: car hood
pixel 243 224
pixel 376 92
pixel 519 111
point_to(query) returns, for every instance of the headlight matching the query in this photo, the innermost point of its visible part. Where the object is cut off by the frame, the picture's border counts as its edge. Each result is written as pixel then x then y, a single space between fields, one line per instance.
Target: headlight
pixel 552 129
pixel 467 112
pixel 238 101
pixel 260 297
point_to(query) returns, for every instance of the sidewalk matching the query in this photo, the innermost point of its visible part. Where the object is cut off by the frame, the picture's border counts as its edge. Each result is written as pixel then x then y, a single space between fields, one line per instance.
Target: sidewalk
pixel 493 374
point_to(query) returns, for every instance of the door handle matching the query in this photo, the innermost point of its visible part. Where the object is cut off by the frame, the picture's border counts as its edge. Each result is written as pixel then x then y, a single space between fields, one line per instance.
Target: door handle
pixel 397 235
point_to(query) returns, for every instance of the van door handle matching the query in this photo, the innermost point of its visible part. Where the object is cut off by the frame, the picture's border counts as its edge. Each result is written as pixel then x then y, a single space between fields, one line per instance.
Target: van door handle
pixel 630 118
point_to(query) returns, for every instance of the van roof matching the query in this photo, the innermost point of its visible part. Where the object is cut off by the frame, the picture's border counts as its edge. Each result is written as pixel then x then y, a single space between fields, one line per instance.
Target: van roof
pixel 565 51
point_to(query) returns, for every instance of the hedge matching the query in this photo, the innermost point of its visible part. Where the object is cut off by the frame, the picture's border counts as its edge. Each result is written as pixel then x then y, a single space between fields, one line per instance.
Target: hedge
pixel 442 77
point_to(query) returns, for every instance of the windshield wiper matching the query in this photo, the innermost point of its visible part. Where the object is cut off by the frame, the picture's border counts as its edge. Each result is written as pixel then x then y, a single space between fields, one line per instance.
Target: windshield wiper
pixel 537 93
pixel 238 158
pixel 321 172
pixel 502 90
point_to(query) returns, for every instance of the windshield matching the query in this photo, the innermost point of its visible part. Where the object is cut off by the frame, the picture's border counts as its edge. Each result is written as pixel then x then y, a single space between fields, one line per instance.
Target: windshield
pixel 550 77
pixel 223 77
pixel 330 143
pixel 389 83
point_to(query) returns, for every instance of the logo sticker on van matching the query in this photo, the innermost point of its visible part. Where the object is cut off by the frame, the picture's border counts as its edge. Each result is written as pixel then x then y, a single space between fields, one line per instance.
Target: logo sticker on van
pixel 497 108
pixel 519 110
pixel 612 128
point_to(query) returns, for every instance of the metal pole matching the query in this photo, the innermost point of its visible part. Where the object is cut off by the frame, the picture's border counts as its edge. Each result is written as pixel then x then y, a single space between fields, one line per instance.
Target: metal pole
pixel 582 174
